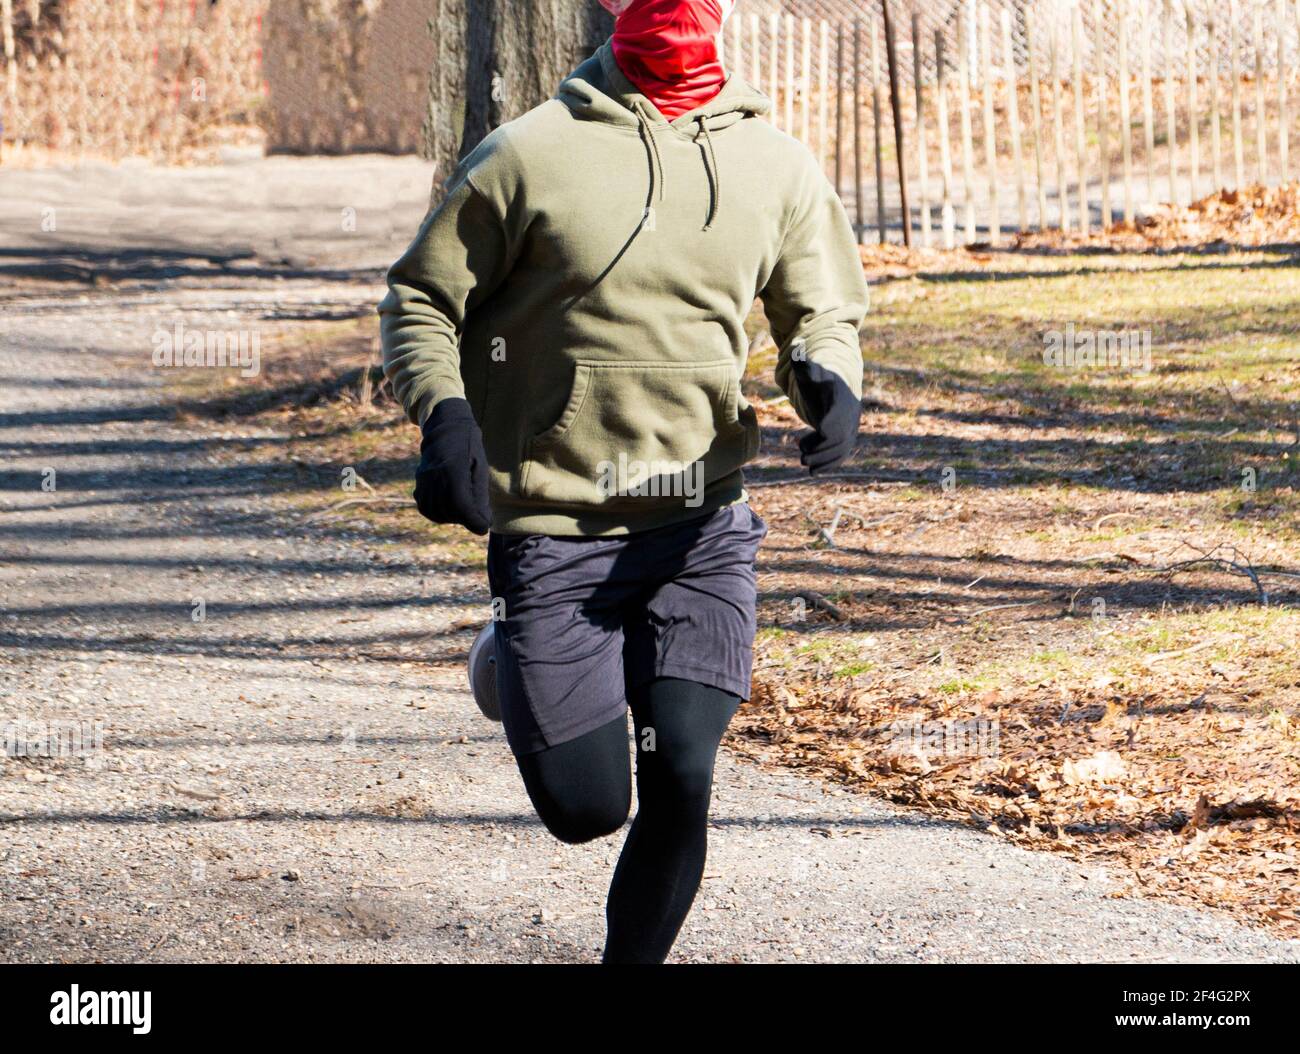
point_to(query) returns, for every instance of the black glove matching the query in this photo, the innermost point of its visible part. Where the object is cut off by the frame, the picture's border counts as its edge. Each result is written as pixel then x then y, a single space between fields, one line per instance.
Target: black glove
pixel 451 482
pixel 833 411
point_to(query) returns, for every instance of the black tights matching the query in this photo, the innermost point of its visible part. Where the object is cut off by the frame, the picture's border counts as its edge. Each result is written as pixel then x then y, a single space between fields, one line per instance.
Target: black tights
pixel 583 790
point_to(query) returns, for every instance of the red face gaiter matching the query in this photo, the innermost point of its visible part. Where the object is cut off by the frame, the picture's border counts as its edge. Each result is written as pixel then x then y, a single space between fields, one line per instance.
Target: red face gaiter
pixel 669 49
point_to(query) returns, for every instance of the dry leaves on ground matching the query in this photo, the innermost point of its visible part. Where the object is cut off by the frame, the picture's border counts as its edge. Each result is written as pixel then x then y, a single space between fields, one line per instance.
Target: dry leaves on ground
pixel 1195 799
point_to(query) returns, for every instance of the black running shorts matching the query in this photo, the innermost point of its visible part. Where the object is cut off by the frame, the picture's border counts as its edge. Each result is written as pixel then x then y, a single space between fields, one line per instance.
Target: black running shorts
pixel 586 620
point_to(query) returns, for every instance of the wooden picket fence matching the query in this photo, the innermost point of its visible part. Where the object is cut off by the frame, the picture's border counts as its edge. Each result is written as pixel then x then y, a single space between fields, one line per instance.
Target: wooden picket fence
pixel 1001 114
pixel 1069 114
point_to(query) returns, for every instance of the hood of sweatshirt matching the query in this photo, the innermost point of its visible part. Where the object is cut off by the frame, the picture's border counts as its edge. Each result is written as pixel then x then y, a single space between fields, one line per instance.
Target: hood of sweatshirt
pixel 599 91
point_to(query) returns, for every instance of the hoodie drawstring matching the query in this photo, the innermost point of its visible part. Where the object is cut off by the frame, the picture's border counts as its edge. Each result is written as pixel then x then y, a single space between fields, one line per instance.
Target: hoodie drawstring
pixel 658 182
pixel 711 168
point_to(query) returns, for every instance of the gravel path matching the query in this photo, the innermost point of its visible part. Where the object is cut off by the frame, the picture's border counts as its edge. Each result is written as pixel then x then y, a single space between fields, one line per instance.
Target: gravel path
pixel 280 782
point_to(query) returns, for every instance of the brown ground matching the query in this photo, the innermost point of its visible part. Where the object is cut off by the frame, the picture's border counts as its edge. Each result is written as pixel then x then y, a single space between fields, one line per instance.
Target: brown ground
pixel 1094 593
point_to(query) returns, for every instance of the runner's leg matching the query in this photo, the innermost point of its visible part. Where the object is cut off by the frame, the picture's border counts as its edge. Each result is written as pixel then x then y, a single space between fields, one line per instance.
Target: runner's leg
pixel 582 789
pixel 679 725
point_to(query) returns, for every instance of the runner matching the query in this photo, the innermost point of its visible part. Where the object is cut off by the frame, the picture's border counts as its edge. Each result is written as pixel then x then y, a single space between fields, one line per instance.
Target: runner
pixel 568 330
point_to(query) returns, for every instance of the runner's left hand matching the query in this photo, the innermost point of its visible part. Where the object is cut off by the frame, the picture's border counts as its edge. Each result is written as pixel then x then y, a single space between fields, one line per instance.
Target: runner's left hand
pixel 834 413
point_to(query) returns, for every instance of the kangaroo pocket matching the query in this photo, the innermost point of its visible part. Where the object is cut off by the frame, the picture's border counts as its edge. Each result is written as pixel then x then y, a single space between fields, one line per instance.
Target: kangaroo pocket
pixel 637 431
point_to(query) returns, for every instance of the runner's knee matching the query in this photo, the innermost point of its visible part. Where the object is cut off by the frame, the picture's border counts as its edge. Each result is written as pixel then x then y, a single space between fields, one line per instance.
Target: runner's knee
pixel 582 789
pixel 583 821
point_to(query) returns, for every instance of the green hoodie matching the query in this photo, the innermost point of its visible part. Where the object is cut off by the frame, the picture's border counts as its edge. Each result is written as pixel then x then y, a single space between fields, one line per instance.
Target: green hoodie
pixel 584 285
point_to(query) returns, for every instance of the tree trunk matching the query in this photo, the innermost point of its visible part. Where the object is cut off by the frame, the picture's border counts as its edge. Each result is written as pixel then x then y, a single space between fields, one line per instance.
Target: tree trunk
pixel 497 59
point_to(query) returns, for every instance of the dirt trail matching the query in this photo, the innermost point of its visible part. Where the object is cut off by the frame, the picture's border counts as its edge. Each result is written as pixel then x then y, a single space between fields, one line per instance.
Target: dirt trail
pixel 279 781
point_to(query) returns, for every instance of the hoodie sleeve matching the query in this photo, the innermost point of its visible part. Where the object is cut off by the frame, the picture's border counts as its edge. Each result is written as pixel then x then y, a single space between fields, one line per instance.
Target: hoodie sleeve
pixel 461 254
pixel 816 297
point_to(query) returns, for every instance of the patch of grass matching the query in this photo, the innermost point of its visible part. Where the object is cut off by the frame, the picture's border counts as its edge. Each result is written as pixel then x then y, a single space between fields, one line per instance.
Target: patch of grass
pixel 1222 343
pixel 964 685
pixel 822 649
pixel 852 669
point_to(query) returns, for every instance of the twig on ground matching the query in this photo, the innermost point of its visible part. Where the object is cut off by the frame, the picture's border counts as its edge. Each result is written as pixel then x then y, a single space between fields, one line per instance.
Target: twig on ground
pixel 861 517
pixel 1235 562
pixel 827 534
pixel 1165 656
pixel 378 500
pixel 820 603
pixel 1002 607
pixel 1111 516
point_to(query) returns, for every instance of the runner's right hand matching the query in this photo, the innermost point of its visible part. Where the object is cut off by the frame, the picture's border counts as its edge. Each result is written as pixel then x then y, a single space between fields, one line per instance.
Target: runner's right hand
pixel 451 482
